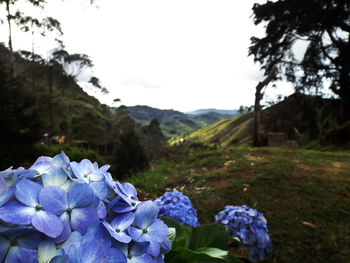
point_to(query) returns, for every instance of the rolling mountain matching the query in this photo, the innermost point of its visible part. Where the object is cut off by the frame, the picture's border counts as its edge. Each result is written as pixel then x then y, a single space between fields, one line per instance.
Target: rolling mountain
pixel 212 110
pixel 175 123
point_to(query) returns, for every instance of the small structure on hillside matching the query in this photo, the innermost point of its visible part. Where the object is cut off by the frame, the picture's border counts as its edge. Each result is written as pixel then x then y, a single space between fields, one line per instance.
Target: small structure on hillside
pixel 280 139
pixel 276 138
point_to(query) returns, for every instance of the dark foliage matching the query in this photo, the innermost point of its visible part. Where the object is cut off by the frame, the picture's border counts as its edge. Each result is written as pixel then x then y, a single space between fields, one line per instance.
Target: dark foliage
pixel 322 25
pixel 129 155
pixel 302 115
pixel 20 124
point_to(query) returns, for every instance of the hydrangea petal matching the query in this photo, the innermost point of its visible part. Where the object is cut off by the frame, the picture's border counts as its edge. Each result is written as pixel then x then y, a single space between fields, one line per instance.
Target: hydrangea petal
pixel 20 254
pixel 53 199
pixel 92 251
pixel 74 240
pixel 105 168
pixel 136 234
pixel 145 258
pixel 47 223
pixel 56 177
pixel 158 231
pixel 159 259
pixel 165 246
pixel 42 164
pixel 30 239
pixel 140 248
pixel 4 247
pixel 101 188
pixel 120 236
pixel 73 255
pixel 60 160
pixel 116 256
pixel 130 190
pixel 7 195
pixel 101 210
pixel 154 248
pixel 96 231
pixel 2 185
pixel 16 213
pixel 145 214
pixel 120 206
pixel 123 221
pixel 80 195
pixel 27 192
pixel 65 219
pixel 81 218
pixel 28 174
pixel 60 259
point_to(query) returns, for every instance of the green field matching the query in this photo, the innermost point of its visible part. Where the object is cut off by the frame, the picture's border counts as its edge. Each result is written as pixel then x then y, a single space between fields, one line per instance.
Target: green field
pixel 304 194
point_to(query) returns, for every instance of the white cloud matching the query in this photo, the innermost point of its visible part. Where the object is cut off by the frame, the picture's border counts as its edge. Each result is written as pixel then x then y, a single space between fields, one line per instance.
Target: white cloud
pixel 193 51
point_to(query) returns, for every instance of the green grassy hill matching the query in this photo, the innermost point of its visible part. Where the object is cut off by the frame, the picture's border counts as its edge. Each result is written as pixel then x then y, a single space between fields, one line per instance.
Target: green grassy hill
pixel 174 123
pixel 226 132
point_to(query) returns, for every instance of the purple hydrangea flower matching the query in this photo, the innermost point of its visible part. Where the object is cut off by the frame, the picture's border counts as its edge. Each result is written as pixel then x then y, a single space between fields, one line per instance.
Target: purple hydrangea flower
pixel 177 206
pixel 66 212
pixel 30 211
pixel 249 226
pixel 75 208
pixel 119 225
pixel 147 228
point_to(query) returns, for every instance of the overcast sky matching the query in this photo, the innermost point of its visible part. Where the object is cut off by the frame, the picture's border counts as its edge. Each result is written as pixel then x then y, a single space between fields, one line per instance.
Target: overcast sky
pixel 168 54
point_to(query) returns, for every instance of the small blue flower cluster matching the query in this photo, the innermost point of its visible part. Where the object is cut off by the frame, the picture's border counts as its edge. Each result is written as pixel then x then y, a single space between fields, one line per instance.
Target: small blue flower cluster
pixel 249 226
pixel 177 206
pixel 60 211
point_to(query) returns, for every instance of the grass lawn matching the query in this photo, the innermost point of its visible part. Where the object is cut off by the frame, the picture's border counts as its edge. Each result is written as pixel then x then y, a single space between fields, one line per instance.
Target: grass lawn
pixel 304 194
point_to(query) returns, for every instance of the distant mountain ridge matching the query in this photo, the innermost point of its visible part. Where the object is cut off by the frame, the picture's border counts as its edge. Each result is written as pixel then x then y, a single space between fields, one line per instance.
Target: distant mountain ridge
pixel 174 122
pixel 213 110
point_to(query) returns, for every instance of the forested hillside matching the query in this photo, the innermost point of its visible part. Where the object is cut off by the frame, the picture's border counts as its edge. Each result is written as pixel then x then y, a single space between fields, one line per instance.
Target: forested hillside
pixel 45 106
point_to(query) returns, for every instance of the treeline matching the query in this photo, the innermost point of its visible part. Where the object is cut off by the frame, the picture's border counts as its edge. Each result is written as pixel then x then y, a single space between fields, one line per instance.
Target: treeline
pixel 33 117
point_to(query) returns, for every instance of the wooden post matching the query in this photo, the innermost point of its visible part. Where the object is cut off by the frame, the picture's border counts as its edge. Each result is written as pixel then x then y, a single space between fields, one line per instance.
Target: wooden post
pixel 257 107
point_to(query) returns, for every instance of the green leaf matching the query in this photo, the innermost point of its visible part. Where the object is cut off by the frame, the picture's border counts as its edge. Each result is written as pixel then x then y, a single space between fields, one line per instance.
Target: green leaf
pixel 214 236
pixel 190 256
pixel 172 234
pixel 211 252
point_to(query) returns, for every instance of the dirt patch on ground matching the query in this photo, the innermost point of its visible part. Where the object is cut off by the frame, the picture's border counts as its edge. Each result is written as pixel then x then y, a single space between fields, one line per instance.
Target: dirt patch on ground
pixel 254 158
pixel 303 167
pixel 228 179
pixel 336 167
pixel 329 170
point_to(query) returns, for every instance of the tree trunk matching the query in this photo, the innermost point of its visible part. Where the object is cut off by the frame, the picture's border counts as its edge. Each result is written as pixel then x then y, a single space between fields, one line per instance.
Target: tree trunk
pixel 33 62
pixel 50 99
pixel 257 141
pixel 12 57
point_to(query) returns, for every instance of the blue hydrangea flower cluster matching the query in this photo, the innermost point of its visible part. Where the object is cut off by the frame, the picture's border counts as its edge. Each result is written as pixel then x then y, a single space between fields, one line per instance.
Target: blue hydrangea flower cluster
pixel 60 211
pixel 177 206
pixel 249 226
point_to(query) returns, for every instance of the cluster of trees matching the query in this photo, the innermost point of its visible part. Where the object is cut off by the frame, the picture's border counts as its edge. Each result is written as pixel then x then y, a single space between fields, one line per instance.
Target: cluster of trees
pixel 323 27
